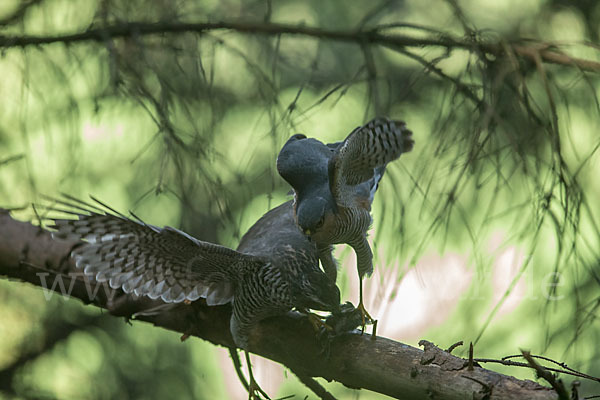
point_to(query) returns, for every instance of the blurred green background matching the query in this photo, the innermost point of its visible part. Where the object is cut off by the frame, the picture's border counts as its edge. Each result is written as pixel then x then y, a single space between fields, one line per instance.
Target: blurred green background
pixel 486 232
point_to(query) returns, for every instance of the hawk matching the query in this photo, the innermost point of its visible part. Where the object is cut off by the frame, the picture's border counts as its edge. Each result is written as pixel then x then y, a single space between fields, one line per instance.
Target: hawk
pixel 274 269
pixel 334 186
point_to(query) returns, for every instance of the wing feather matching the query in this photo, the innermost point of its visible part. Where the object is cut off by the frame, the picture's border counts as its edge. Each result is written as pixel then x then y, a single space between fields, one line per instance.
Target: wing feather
pixel 371 146
pixel 163 263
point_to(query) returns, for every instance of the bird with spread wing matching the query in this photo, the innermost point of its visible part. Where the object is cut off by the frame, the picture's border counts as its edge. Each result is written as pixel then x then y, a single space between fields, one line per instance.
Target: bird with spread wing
pixel 274 269
pixel 334 186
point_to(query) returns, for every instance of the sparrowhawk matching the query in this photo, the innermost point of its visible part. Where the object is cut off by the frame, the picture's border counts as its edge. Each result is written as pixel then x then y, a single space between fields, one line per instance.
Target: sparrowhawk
pixel 274 269
pixel 334 186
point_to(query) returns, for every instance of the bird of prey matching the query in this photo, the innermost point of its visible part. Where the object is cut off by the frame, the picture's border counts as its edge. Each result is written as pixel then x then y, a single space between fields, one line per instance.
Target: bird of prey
pixel 274 269
pixel 334 186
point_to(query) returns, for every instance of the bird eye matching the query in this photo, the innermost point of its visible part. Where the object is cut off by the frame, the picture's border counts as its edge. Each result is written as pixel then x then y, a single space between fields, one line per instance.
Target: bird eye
pixel 321 221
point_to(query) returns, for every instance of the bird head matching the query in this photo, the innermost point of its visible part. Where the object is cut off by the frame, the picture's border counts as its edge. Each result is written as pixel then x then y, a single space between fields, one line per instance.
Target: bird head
pixel 312 212
pixel 320 293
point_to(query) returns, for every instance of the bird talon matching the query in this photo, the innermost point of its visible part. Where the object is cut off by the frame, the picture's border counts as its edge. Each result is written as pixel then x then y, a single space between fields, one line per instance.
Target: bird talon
pixel 366 319
pixel 317 322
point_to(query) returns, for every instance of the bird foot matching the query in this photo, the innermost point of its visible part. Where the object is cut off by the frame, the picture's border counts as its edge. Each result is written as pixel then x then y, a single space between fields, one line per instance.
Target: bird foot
pixel 317 322
pixel 366 320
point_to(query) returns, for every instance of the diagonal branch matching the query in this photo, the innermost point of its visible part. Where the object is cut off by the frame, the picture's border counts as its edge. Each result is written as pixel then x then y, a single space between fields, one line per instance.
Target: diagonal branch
pixel 27 253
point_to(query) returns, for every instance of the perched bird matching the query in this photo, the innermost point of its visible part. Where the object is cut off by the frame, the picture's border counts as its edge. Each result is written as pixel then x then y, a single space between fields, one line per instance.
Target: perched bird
pixel 334 186
pixel 274 269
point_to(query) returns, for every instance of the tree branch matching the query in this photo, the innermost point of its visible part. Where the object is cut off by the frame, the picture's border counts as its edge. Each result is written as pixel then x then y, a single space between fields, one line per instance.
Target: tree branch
pixel 28 253
pixel 374 36
pixel 543 373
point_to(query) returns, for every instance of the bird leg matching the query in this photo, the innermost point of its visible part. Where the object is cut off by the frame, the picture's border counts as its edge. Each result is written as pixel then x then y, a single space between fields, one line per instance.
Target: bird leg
pixel 254 391
pixel 366 318
pixel 364 264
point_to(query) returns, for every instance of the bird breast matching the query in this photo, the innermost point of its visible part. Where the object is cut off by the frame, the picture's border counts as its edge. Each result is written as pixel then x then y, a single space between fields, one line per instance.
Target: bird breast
pixel 344 226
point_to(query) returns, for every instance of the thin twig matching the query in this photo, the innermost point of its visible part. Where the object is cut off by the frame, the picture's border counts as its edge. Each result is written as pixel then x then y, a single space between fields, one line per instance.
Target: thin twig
pixel 521 364
pixel 455 345
pixel 237 364
pixel 313 385
pixel 545 374
pixel 10 159
pixel 19 12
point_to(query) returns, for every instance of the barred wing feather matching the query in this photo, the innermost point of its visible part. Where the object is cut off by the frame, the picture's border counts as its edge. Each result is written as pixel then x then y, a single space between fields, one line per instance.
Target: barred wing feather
pixel 163 263
pixel 371 146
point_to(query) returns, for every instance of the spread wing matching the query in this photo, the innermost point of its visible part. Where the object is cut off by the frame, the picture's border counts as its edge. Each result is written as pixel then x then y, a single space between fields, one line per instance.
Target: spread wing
pixel 366 149
pixel 147 260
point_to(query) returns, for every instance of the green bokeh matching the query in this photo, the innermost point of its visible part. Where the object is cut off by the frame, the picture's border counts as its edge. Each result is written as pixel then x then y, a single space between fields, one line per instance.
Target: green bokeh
pixel 82 118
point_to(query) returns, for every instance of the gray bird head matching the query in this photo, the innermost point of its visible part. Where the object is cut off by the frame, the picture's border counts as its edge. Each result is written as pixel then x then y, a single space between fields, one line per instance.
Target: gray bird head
pixel 312 209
